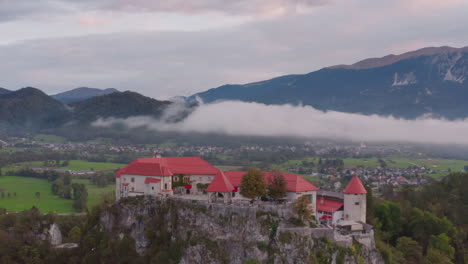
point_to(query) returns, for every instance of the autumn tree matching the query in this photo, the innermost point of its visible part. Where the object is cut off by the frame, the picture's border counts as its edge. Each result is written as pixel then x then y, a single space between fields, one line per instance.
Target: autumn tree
pixel 302 209
pixel 253 184
pixel 277 185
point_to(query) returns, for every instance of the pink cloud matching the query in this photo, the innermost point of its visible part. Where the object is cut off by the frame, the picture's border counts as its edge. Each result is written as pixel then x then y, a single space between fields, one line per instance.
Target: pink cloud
pixel 93 21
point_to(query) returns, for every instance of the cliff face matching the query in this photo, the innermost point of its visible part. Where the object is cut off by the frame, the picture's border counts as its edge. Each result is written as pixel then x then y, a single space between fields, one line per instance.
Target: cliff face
pixel 177 231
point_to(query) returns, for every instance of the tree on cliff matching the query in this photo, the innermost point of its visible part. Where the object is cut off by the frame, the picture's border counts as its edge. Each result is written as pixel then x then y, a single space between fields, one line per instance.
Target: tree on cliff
pixel 277 185
pixel 301 208
pixel 253 184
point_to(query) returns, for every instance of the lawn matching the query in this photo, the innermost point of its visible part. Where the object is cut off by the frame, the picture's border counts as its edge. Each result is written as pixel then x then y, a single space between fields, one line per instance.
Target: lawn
pixel 79 165
pixel 25 189
pixel 96 194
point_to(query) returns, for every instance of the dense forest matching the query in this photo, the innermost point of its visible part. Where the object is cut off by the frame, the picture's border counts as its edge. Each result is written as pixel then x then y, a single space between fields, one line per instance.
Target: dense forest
pixel 426 225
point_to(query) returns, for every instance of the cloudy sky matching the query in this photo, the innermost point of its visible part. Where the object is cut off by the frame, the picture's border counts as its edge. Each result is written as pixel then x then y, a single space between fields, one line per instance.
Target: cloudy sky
pixel 164 48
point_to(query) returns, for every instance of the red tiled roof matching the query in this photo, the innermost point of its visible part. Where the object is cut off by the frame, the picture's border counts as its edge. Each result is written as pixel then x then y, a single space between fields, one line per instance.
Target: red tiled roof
pixel 151 180
pixel 355 187
pixel 220 184
pixel 168 167
pixel 328 206
pixel 294 182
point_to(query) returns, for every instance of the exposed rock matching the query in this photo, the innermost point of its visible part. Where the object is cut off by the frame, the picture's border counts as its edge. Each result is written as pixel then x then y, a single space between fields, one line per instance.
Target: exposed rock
pixel 219 233
pixel 54 235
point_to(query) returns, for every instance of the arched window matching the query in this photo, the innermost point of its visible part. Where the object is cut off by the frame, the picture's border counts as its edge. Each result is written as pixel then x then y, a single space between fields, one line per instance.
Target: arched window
pixel 165 186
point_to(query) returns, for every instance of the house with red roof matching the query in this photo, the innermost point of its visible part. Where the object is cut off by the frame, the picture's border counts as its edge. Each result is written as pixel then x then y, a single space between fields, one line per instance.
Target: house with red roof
pixel 194 176
pixel 329 207
pixel 164 176
pixel 347 207
pixel 296 186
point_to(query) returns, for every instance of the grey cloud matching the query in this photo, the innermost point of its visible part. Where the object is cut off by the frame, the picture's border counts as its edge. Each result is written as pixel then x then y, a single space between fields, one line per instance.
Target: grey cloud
pixel 201 6
pixel 253 119
pixel 17 9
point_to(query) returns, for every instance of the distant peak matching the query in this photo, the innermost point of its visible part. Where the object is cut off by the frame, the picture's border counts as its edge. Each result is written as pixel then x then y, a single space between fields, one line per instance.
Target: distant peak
pixel 390 59
pixel 82 93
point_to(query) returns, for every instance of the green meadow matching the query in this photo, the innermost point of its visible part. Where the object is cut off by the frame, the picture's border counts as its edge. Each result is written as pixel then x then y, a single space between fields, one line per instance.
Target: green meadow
pixel 77 165
pixel 96 194
pixel 26 188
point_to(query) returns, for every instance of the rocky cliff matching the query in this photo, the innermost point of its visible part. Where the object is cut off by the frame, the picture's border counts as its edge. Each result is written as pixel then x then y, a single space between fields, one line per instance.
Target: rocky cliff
pixel 180 231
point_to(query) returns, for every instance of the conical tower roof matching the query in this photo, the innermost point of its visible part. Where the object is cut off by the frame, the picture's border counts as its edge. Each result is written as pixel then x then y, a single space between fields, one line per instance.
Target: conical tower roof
pixel 220 184
pixel 355 187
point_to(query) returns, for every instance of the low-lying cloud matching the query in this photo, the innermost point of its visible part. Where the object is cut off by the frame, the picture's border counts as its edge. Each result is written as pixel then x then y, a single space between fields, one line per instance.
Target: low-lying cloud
pixel 255 119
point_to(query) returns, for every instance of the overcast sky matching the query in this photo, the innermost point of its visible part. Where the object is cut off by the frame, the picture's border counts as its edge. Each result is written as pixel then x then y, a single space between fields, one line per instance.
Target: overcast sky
pixel 166 48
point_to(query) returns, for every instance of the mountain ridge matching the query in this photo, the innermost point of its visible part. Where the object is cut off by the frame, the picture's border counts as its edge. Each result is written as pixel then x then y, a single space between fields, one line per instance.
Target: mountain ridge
pixel 30 109
pixel 392 58
pixel 82 93
pixel 409 88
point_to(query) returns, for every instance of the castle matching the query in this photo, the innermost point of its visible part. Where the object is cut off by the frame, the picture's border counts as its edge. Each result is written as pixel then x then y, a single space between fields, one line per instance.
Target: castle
pixel 194 178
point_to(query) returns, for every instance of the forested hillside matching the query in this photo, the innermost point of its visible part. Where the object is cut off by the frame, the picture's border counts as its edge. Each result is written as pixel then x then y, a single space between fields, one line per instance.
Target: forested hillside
pixel 424 226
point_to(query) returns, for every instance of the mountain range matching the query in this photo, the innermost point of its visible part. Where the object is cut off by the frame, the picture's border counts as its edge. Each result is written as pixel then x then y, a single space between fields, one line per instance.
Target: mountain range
pixel 427 81
pixel 30 109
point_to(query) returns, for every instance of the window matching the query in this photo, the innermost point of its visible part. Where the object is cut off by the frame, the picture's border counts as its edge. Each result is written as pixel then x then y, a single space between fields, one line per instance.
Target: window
pixel 133 189
pixel 133 179
pixel 176 179
pixel 152 188
pixel 165 186
pixel 356 203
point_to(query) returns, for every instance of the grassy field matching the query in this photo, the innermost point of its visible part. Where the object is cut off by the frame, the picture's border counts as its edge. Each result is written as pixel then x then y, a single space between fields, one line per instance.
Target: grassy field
pixel 25 189
pixel 96 194
pixel 79 165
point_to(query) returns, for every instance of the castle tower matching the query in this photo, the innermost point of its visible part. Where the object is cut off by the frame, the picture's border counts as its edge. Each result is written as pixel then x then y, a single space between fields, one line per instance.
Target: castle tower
pixel 355 201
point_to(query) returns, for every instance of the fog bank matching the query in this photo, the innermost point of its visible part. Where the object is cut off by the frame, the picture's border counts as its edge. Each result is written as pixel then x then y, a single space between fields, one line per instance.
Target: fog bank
pixel 255 119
